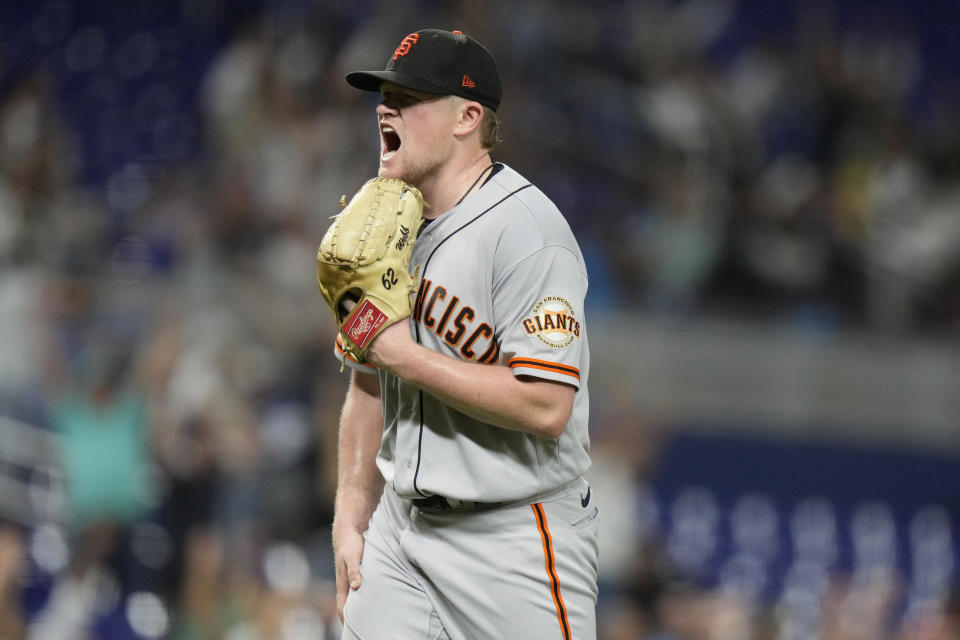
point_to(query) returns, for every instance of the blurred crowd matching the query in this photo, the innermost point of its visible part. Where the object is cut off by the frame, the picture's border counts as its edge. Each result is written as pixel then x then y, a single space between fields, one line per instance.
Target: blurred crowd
pixel 697 562
pixel 163 189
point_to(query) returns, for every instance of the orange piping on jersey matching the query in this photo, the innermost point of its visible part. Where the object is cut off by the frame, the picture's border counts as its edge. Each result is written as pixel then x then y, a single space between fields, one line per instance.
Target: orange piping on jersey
pixel 551 569
pixel 546 366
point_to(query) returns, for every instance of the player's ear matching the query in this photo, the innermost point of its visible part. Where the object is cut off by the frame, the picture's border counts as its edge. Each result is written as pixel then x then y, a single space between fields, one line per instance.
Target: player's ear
pixel 470 114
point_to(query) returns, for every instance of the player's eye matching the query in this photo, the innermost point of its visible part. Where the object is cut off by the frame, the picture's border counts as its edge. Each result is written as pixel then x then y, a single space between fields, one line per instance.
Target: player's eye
pixel 397 100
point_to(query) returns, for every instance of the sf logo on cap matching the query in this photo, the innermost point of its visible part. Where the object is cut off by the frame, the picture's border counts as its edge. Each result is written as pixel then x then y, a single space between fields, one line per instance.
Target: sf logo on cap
pixel 405 45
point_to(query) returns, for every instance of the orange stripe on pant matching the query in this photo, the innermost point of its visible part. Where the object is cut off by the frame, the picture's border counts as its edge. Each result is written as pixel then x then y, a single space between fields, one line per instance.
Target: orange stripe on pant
pixel 551 569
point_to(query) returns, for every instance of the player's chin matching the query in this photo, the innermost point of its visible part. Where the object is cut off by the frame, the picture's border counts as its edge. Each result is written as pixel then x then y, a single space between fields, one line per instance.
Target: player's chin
pixel 392 173
pixel 388 170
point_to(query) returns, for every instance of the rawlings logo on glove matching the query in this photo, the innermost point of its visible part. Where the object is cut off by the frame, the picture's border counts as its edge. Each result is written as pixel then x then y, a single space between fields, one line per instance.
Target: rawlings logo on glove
pixel 365 257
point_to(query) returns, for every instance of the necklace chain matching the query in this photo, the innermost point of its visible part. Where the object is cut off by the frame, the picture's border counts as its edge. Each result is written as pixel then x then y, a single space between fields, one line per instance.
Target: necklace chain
pixel 482 173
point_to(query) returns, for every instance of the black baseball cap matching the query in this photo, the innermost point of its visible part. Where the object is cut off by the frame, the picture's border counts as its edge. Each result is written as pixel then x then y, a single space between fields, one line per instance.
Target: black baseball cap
pixel 441 62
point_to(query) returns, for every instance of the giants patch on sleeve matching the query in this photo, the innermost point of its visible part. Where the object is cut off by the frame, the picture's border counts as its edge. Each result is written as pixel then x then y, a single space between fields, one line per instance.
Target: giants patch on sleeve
pixel 553 323
pixel 364 324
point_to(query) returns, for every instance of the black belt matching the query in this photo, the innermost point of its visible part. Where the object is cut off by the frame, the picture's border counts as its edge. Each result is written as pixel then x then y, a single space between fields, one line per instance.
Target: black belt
pixel 439 504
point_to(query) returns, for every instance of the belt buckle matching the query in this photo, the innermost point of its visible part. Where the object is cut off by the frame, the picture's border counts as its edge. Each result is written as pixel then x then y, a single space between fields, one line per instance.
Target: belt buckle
pixel 433 504
pixel 442 504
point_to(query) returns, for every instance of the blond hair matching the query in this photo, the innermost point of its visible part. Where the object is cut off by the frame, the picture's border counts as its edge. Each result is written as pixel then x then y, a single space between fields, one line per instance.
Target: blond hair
pixel 489 129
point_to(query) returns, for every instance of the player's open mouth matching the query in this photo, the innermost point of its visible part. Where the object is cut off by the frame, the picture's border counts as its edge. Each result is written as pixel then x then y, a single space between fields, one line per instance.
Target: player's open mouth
pixel 390 141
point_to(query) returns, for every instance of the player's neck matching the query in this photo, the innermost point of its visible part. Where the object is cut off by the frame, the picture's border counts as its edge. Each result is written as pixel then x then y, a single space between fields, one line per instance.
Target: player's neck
pixel 457 183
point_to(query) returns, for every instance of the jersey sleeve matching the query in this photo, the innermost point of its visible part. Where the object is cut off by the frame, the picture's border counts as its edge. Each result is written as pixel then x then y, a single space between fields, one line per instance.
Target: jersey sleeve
pixel 538 305
pixel 347 359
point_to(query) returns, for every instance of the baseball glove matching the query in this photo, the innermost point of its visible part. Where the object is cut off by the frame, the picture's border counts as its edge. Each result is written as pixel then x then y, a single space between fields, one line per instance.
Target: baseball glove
pixel 365 257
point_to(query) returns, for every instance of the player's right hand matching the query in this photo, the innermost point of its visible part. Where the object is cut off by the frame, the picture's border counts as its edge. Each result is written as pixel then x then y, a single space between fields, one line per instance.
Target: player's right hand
pixel 347 553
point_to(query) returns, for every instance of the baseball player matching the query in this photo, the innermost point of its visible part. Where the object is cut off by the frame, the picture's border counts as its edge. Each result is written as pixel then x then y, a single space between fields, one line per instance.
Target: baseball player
pixel 461 511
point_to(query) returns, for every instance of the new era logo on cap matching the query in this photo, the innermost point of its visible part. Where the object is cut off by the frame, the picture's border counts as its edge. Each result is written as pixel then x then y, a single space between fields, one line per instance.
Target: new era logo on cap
pixel 439 62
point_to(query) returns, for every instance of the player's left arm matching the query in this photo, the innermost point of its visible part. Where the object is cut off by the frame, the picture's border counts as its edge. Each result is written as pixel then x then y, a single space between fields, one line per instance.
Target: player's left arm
pixel 491 394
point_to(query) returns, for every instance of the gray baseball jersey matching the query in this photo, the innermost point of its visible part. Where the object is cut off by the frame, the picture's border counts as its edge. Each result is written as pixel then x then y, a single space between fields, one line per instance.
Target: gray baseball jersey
pixel 502 283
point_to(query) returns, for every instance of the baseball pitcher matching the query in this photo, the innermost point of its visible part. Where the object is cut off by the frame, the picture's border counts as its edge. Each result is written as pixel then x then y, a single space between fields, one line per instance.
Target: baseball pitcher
pixel 458 289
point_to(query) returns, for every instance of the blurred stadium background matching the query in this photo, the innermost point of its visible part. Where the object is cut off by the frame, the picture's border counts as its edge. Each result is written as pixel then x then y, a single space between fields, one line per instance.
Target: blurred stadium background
pixel 768 196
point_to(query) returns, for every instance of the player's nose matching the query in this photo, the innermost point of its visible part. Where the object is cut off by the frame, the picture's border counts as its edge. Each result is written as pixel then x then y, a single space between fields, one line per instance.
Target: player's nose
pixel 383 109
